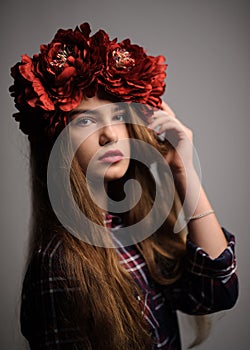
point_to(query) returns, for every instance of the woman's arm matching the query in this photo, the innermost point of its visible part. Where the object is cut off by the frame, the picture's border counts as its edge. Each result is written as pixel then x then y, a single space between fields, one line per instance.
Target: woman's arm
pixel 207 285
pixel 206 231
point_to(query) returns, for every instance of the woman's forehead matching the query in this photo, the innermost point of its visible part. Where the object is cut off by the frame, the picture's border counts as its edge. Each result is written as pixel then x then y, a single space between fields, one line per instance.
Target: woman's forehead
pixel 97 105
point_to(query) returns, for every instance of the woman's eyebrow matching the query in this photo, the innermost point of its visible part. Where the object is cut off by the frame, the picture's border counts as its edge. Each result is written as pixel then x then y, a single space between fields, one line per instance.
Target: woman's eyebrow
pixel 118 108
pixel 81 111
pixel 94 111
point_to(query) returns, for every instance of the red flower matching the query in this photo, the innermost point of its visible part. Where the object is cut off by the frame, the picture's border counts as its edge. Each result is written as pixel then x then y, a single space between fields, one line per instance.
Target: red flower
pixel 60 73
pixel 75 64
pixel 56 78
pixel 132 75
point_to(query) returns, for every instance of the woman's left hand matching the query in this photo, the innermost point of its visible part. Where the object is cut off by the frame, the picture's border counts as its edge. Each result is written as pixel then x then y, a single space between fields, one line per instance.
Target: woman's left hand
pixel 205 233
pixel 179 137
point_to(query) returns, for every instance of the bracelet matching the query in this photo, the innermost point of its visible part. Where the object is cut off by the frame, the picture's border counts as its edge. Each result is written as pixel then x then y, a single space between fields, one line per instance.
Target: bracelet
pixel 198 216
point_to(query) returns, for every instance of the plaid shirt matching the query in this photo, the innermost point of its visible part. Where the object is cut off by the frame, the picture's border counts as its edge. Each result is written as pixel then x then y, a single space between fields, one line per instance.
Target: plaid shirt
pixel 206 286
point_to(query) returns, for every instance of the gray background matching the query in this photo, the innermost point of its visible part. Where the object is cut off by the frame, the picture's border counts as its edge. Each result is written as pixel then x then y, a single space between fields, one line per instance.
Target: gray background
pixel 206 44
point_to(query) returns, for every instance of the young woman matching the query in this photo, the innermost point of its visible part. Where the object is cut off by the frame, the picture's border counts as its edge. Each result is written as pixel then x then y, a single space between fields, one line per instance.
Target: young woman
pixel 103 285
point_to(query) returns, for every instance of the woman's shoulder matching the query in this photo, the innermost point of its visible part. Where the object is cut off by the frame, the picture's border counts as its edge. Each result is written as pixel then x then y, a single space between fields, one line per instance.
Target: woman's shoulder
pixel 49 248
pixel 46 260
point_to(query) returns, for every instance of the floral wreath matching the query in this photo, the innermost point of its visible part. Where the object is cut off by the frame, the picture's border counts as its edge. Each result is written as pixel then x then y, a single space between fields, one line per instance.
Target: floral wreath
pixel 75 64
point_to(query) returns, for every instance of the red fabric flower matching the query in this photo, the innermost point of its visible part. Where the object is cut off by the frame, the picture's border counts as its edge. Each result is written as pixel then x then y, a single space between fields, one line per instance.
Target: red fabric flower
pixel 53 82
pixel 132 75
pixel 58 75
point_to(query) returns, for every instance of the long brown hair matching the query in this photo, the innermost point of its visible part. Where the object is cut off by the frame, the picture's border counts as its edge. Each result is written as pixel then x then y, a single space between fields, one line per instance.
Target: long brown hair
pixel 111 317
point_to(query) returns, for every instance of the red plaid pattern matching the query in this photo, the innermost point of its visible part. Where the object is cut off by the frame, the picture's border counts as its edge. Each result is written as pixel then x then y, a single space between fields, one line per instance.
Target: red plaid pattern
pixel 206 286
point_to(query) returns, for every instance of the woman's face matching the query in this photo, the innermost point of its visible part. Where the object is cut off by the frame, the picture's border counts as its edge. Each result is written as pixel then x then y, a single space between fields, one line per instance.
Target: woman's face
pixel 99 126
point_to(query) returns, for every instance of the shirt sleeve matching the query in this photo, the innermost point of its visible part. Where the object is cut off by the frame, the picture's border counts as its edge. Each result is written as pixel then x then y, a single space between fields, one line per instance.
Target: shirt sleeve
pixel 207 285
pixel 47 310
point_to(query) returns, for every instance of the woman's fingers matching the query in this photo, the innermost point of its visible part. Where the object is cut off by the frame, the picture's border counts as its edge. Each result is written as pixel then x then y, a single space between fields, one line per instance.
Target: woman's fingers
pixel 167 126
pixel 162 119
pixel 165 107
pixel 162 123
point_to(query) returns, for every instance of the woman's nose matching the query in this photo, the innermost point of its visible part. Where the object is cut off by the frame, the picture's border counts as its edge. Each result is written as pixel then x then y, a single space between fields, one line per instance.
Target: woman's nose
pixel 108 135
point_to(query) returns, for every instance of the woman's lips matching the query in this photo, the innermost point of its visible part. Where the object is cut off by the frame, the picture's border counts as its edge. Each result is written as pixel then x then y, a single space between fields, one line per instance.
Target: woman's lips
pixel 111 157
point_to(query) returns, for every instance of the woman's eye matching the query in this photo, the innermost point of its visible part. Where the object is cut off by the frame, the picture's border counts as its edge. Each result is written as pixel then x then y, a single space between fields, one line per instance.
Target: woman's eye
pixel 121 117
pixel 84 121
